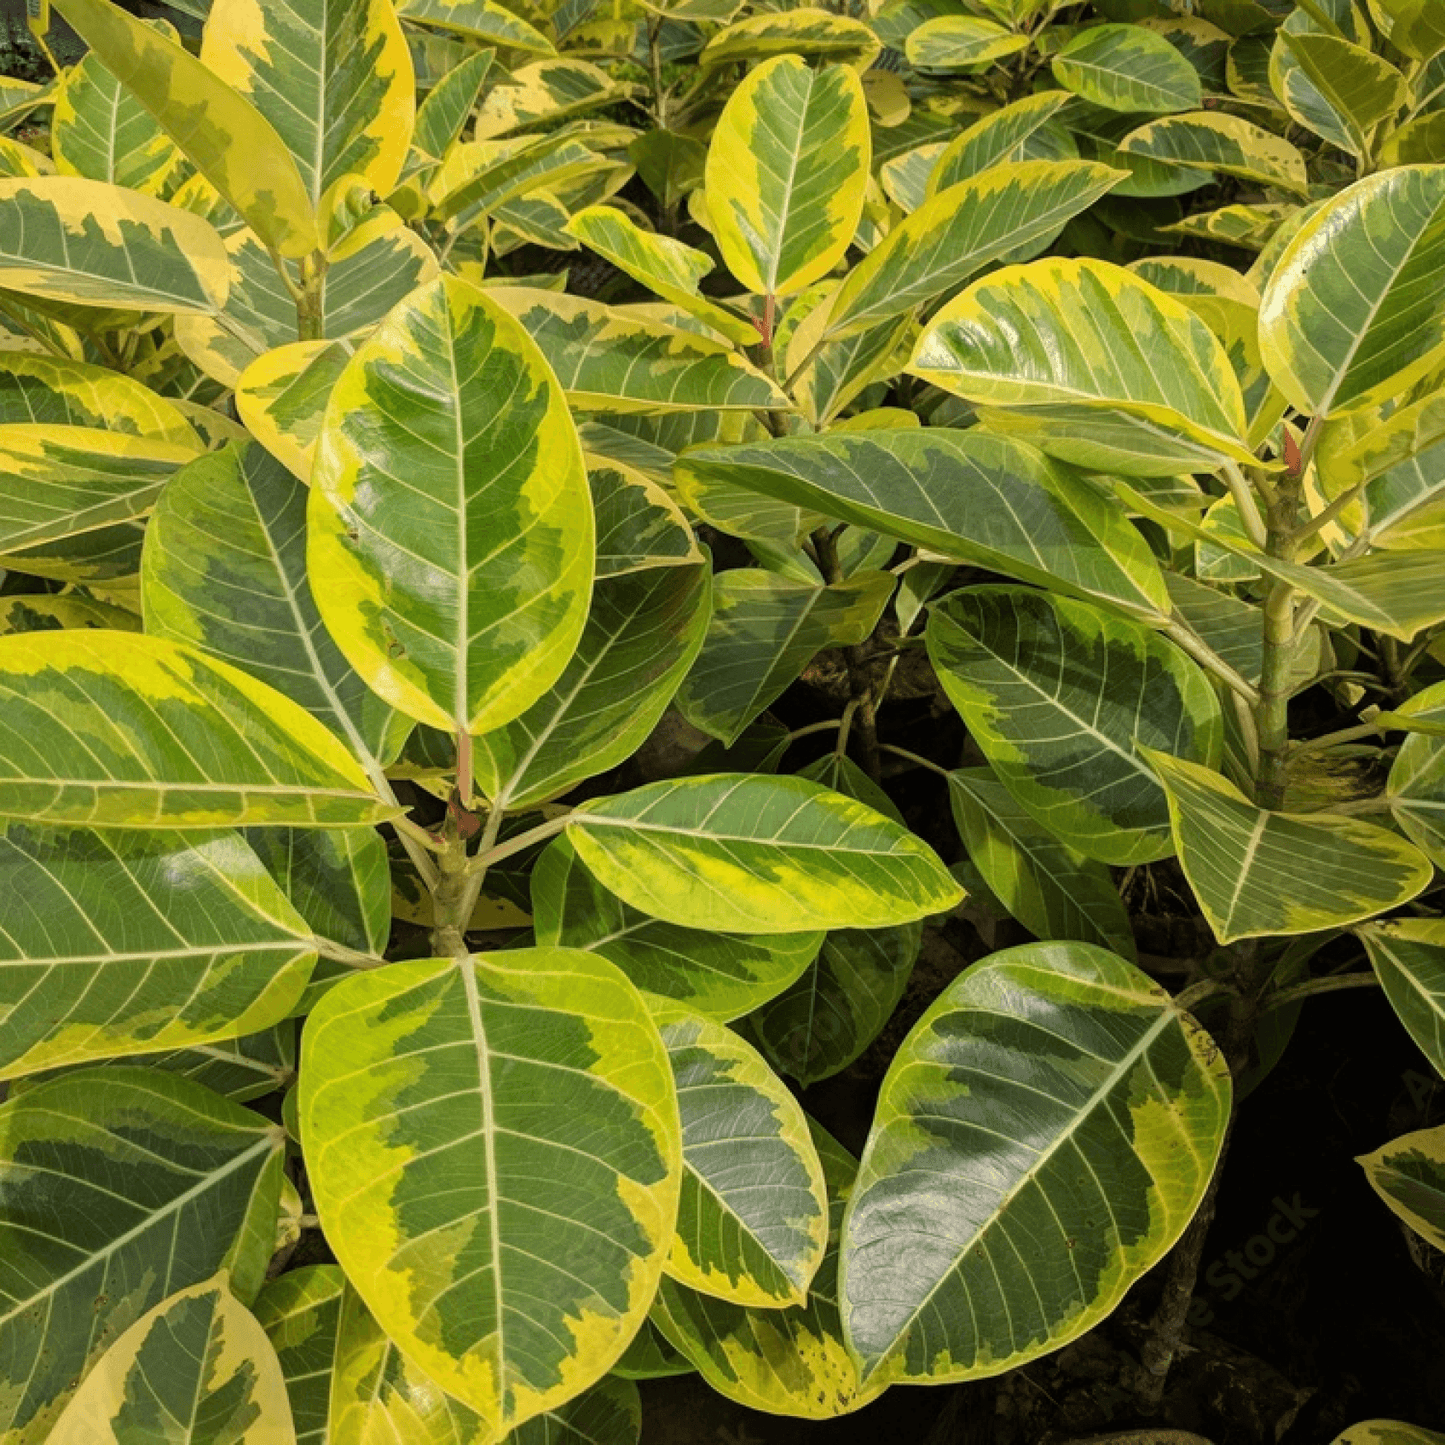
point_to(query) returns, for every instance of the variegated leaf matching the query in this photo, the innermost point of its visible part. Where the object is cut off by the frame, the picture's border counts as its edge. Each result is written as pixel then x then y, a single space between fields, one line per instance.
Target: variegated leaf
pixel 1409 1175
pixel 1226 144
pixel 480 20
pixel 817 34
pixel 786 174
pixel 131 942
pixel 757 854
pixel 718 975
pixel 752 1221
pixel 94 244
pixel 197 1369
pixel 970 496
pixel 611 361
pixel 1408 956
pixel 1059 696
pixel 300 1312
pixel 1128 68
pixel 113 729
pixel 224 569
pixel 1006 1201
pixel 451 536
pixel 151 1183
pixel 1416 785
pixel 510 1248
pixel 58 392
pixel 281 397
pixel 1258 873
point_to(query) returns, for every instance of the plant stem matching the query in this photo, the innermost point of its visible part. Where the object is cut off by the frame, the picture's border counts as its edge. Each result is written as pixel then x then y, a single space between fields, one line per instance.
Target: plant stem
pixel 489 855
pixel 1211 661
pixel 327 948
pixel 914 759
pixel 1309 989
pixel 860 673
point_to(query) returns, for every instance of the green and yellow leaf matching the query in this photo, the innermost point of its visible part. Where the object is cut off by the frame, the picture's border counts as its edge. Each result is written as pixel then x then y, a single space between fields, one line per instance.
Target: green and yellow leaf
pixel 300 1311
pixel 1408 956
pixel 1409 1175
pixel 1128 68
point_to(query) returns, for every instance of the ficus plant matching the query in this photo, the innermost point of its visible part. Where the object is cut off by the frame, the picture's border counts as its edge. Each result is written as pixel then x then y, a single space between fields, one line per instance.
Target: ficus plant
pixel 352 560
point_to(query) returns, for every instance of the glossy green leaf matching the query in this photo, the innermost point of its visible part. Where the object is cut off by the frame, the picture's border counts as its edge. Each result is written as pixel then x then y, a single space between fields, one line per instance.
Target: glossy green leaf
pixel 639 526
pixel 1352 314
pixel 718 975
pixel 90 243
pixel 970 496
pixel 1020 131
pixel 124 943
pixel 230 142
pixel 756 854
pixel 1409 1175
pixel 610 361
pixel 121 1185
pixel 651 1357
pixel 119 730
pixel 1128 68
pixel 786 174
pixel 197 1369
pixel 660 263
pixel 1059 696
pixel 765 630
pixel 610 1413
pixel 1011 212
pixel 511 1248
pixel 300 1312
pixel 643 633
pixel 1072 350
pixel 224 569
pixel 480 20
pixel 1043 1137
pixel 961 42
pixel 1226 144
pixel 1055 892
pixel 239 1069
pixel 840 1003
pixel 60 481
pixel 1258 873
pixel 1359 88
pixel 334 77
pixel 1408 956
pixel 101 131
pixel 784 1361
pixel 752 1221
pixel 450 526
pixel 442 116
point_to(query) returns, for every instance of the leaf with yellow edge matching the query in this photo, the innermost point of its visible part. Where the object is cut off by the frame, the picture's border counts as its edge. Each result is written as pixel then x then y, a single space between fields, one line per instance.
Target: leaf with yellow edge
pixel 197 1369
pixel 544 92
pixel 119 730
pixel 61 392
pixel 511 1250
pixel 101 131
pixel 786 1361
pixel 1092 364
pixel 334 77
pixel 1352 315
pixel 300 1311
pixel 665 266
pixel 1128 68
pixel 787 172
pixel 1357 88
pixel 1258 873
pixel 756 854
pixel 281 397
pixel 90 243
pixel 1408 956
pixel 752 1222
pixel 451 531
pixel 819 35
pixel 1043 1137
pixel 960 42
pixel 1409 1175
pixel 226 137
pixel 1226 144
pixel 480 20
pixel 1388 1432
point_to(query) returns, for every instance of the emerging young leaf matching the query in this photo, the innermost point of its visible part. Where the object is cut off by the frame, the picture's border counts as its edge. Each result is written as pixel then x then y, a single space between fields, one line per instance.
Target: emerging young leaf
pixel 451 537
pixel 152 1184
pixel 756 854
pixel 1043 1137
pixel 509 1240
pixel 752 1221
pixel 786 174
pixel 197 1369
pixel 1060 695
pixel 1258 873
pixel 112 729
pixel 130 942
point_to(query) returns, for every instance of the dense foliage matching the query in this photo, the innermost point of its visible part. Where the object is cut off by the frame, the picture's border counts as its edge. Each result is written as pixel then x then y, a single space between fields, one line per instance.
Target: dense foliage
pixel 1078 366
